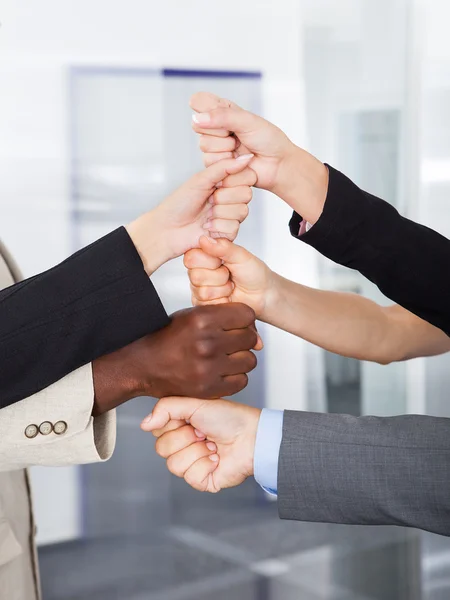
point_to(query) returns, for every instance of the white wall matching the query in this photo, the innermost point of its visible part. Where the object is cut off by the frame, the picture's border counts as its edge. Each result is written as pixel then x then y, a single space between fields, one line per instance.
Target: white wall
pixel 434 161
pixel 38 41
pixel 355 64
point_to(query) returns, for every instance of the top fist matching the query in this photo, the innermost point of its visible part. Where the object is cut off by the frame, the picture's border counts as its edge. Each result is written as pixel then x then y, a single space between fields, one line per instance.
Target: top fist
pixel 280 166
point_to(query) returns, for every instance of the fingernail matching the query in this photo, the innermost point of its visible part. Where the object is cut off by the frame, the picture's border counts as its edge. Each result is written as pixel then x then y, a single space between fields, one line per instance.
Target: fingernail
pixel 211 446
pixel 147 419
pixel 245 157
pixel 207 225
pixel 199 433
pixel 214 458
pixel 219 184
pixel 201 118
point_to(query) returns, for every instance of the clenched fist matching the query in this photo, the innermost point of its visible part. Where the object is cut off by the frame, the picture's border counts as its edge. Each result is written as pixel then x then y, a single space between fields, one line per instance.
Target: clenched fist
pixel 204 352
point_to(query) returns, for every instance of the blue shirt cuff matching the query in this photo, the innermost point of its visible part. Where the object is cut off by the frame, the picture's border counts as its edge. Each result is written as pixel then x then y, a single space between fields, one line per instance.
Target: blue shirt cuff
pixel 267 449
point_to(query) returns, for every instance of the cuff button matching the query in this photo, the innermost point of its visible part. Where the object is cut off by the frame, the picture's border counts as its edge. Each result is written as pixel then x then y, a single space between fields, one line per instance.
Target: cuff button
pixel 45 428
pixel 60 427
pixel 31 431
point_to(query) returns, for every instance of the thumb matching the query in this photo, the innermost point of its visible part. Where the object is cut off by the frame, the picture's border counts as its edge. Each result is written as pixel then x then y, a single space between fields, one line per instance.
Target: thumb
pixel 229 253
pixel 168 409
pixel 205 101
pixel 217 172
pixel 196 258
pixel 232 118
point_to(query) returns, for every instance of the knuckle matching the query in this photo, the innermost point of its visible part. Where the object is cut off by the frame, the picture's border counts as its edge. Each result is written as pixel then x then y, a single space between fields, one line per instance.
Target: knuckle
pixel 201 320
pixel 252 361
pixel 192 481
pixel 253 338
pixel 217 197
pixel 241 382
pixel 201 372
pixel 238 383
pixel 189 258
pixel 223 275
pixel 205 143
pixel 205 293
pixel 204 348
pixel 174 466
pixel 161 448
pixel 195 277
pixel 244 211
pixel 231 143
pixel 228 183
pixel 216 211
pixel 248 194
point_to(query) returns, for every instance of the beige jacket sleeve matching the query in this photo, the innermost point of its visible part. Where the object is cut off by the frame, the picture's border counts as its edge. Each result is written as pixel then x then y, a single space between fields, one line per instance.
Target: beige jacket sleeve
pixel 55 427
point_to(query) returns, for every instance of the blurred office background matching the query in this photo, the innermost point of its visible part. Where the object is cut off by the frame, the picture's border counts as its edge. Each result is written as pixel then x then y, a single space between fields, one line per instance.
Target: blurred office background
pixel 94 129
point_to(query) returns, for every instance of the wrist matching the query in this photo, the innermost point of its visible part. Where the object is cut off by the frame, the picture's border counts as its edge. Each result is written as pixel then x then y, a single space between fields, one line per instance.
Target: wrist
pixel 272 298
pixel 302 183
pixel 113 382
pixel 147 233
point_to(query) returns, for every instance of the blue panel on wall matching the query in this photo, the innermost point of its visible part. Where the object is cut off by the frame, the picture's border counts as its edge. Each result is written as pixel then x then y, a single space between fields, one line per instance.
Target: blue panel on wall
pixel 210 73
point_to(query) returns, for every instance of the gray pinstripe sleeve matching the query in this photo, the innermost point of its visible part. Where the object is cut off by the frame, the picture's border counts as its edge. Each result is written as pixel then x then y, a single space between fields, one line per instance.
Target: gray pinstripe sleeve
pixel 365 470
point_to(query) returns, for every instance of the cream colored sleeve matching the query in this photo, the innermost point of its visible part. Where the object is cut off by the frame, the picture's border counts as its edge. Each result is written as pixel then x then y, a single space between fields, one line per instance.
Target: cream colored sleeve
pixel 28 428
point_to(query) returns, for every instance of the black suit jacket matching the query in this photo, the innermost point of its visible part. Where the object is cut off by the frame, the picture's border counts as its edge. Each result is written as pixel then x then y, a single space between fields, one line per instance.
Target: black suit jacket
pixel 408 262
pixel 98 300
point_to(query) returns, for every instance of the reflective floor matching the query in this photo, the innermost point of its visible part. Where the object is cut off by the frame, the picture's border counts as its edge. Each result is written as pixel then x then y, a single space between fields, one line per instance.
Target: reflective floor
pixel 150 537
pixel 250 555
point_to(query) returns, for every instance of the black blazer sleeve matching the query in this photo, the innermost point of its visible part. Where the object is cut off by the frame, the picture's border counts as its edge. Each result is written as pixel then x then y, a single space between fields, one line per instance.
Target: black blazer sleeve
pixel 365 470
pixel 408 262
pixel 98 300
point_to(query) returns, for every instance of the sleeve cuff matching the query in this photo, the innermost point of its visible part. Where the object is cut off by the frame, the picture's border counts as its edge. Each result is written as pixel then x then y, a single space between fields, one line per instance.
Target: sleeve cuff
pixel 68 403
pixel 325 224
pixel 267 449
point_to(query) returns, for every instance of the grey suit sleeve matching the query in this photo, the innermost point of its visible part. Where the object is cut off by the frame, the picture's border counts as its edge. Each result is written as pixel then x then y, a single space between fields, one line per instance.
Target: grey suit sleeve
pixel 366 470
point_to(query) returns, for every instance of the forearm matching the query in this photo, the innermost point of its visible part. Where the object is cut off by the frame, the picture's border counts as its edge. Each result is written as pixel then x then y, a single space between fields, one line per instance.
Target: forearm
pixel 351 325
pixel 365 470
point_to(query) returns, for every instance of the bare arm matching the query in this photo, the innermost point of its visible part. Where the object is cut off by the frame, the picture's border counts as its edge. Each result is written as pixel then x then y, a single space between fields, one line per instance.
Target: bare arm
pixel 352 325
